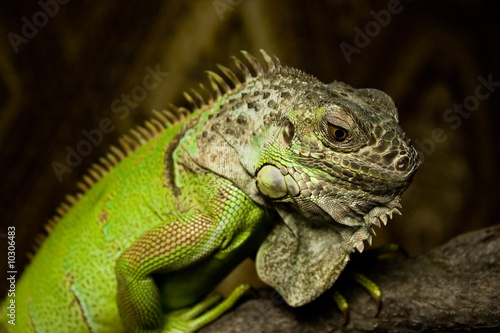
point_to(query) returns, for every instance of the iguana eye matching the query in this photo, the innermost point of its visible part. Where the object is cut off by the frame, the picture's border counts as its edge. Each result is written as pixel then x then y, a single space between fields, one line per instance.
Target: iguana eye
pixel 338 133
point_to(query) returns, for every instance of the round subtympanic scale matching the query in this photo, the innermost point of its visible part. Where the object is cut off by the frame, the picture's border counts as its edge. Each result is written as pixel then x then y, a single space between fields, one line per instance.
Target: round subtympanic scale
pixel 271 182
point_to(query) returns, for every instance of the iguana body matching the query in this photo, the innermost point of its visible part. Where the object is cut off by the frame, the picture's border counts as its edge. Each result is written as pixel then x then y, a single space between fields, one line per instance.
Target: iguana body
pixel 280 161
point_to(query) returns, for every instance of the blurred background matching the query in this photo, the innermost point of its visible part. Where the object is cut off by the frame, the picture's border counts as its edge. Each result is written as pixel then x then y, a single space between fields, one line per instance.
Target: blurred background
pixel 65 66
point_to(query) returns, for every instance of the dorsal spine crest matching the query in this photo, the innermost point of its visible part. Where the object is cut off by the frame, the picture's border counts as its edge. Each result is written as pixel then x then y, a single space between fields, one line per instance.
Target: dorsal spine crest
pixel 139 135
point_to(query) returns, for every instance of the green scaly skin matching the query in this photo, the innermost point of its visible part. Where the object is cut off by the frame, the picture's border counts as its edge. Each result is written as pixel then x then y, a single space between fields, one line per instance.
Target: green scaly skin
pixel 280 163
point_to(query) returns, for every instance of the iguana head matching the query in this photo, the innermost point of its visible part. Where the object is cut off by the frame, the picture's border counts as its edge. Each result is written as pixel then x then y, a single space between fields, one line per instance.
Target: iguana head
pixel 345 155
pixel 335 165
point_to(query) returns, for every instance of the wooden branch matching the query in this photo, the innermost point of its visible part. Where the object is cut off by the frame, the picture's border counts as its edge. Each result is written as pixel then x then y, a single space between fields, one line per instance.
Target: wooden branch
pixel 453 287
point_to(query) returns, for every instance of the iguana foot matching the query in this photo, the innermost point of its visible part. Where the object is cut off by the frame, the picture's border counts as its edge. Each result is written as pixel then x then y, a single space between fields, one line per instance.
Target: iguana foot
pixel 342 304
pixel 366 283
pixel 370 286
pixel 203 313
pixel 385 249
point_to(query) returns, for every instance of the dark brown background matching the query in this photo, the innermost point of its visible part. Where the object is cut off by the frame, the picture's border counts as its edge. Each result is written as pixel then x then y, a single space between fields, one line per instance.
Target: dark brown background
pixel 428 58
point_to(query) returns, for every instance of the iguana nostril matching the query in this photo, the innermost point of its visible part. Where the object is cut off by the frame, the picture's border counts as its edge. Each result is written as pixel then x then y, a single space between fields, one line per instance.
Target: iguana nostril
pixel 402 163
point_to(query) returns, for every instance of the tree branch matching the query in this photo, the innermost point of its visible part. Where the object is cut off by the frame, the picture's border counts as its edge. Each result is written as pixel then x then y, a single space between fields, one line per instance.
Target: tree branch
pixel 453 287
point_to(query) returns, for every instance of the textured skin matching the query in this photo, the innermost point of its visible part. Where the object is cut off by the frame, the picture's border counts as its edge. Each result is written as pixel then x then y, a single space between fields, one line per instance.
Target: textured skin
pixel 257 168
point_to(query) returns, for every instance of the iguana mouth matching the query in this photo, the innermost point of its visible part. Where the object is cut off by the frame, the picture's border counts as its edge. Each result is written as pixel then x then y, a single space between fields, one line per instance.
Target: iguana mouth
pixel 343 167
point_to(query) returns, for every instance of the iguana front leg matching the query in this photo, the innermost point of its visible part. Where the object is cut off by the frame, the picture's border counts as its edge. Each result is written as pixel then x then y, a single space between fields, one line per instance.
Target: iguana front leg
pixel 200 244
pixel 167 248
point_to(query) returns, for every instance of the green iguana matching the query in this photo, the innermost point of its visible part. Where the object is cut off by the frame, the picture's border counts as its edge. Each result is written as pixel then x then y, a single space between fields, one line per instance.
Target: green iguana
pixel 270 160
